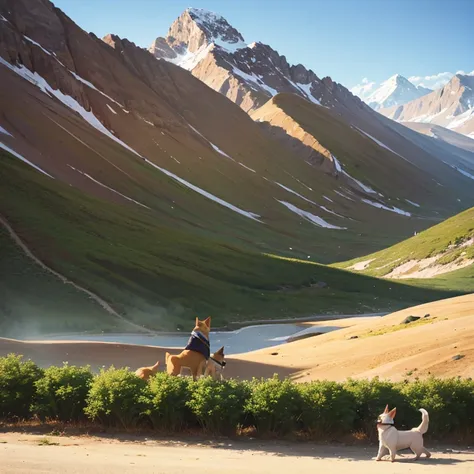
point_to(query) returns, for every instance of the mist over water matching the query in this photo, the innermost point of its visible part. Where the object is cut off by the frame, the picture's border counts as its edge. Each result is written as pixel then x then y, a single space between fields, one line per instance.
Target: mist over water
pixel 242 340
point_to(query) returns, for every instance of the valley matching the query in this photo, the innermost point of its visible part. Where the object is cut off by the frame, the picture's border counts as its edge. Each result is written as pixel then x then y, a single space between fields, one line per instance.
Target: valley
pixel 205 176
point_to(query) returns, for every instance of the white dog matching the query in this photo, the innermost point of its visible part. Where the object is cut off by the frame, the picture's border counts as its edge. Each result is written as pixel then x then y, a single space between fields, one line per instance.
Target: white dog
pixel 391 440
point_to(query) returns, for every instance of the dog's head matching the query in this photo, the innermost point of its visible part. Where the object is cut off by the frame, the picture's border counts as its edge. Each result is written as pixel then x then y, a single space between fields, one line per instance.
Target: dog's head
pixel 387 417
pixel 219 356
pixel 204 327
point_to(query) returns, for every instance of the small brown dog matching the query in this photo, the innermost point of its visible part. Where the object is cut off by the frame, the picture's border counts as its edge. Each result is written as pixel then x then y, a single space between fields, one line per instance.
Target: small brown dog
pixel 196 352
pixel 146 372
pixel 215 365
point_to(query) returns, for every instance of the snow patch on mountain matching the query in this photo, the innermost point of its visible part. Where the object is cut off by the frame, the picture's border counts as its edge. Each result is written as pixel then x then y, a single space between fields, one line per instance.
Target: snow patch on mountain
pixel 22 158
pixel 386 208
pixel 204 193
pixel 310 217
pixel 5 132
pixel 107 187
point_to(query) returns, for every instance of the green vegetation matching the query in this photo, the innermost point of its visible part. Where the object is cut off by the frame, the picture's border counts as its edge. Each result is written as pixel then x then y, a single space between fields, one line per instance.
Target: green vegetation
pixel 116 397
pixel 448 240
pixel 47 442
pixel 17 386
pixel 61 392
pixel 371 163
pixel 399 327
pixel 321 409
pixel 152 274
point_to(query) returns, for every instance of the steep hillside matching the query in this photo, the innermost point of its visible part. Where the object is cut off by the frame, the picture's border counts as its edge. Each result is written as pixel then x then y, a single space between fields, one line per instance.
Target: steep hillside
pixel 446 249
pixel 444 134
pixel 150 274
pixel 146 133
pixel 452 107
pixel 389 180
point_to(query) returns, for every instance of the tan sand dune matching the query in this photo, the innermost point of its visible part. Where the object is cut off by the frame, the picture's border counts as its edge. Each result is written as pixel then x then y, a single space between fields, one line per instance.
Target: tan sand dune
pixel 425 348
pixel 420 349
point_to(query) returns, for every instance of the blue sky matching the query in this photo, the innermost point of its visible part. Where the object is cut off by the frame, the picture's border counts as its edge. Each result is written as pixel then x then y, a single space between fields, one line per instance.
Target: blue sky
pixel 346 39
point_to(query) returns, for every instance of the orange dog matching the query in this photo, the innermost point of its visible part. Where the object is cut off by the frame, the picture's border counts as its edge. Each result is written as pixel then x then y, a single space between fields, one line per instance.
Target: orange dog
pixel 146 372
pixel 195 354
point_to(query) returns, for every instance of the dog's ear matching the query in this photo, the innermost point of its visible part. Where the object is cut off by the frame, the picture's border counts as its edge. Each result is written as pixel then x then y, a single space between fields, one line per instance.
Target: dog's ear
pixel 220 351
pixel 207 322
pixel 386 410
pixel 197 321
pixel 392 413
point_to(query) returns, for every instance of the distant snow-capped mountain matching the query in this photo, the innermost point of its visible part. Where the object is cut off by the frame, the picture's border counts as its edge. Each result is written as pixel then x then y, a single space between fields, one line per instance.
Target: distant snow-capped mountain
pixel 397 90
pixel 452 107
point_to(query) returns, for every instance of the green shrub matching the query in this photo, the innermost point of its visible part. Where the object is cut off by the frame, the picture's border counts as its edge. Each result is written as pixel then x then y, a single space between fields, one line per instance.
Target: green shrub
pixel 219 405
pixel 449 402
pixel 117 397
pixel 370 398
pixel 17 385
pixel 169 396
pixel 327 409
pixel 62 392
pixel 274 405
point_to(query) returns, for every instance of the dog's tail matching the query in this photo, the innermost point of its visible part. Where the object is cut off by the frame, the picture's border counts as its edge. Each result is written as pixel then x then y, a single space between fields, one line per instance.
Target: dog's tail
pixel 425 419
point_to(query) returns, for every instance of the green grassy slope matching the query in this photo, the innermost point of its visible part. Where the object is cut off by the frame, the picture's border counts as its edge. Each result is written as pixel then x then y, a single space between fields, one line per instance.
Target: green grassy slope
pixel 373 164
pixel 158 276
pixel 446 238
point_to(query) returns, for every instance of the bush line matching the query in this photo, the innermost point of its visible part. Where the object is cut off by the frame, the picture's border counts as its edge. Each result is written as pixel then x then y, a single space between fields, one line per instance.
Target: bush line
pixel 320 409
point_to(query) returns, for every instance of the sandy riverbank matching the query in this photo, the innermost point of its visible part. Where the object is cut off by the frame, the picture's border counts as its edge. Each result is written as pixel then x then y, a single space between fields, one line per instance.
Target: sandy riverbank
pixel 416 350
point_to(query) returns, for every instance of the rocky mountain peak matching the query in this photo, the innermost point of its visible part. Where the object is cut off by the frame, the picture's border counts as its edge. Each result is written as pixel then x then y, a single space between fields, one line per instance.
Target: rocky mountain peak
pixel 194 30
pixel 215 26
pixel 215 52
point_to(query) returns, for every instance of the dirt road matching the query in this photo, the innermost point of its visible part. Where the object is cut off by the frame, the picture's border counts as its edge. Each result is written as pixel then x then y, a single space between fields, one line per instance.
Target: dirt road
pixel 22 454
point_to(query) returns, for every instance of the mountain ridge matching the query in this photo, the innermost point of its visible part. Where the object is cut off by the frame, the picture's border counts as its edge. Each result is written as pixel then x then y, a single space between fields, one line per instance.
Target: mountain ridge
pixel 248 74
pixel 452 107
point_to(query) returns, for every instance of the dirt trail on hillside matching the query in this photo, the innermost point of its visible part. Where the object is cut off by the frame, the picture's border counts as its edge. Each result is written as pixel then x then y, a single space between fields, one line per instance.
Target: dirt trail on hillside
pixel 106 306
pixel 21 454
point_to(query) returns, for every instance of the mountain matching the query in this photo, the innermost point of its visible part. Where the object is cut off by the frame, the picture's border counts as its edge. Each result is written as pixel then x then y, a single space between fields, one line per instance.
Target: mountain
pixel 143 197
pixel 216 53
pixel 443 134
pixel 452 107
pixel 396 90
pixel 135 196
pixel 248 74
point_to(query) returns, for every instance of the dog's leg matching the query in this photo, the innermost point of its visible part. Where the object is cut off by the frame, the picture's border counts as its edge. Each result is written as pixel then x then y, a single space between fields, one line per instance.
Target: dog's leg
pixel 393 453
pixel 382 452
pixel 426 453
pixel 198 371
pixel 173 365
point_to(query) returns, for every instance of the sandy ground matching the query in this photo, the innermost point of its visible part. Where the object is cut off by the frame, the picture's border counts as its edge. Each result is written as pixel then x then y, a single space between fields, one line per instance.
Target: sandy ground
pixel 23 454
pixel 414 351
